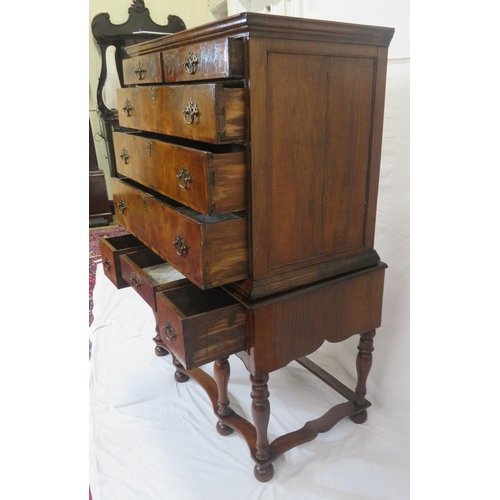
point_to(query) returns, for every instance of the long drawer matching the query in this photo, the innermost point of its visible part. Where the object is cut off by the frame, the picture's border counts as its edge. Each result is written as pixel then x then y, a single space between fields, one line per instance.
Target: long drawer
pixel 209 112
pixel 210 183
pixel 209 250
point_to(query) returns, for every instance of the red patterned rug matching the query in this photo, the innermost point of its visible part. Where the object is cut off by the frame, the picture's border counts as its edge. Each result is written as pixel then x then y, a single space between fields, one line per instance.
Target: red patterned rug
pixel 95 255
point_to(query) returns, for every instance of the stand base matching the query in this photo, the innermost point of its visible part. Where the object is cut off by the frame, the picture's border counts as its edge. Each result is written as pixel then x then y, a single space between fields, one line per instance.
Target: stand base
pixel 226 424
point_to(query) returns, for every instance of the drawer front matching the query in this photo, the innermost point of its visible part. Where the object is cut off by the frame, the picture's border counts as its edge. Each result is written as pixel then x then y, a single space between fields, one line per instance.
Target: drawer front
pixel 222 58
pixel 209 251
pixel 200 327
pixel 111 249
pixel 143 69
pixel 203 112
pixel 208 183
pixel 148 273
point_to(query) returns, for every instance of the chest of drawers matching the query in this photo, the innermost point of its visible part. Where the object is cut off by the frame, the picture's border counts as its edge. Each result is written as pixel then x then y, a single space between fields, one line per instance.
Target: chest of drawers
pixel 248 160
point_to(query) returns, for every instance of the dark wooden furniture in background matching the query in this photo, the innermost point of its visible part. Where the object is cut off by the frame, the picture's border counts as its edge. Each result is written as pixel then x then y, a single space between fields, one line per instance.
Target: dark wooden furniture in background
pixel 99 209
pixel 139 27
pixel 253 170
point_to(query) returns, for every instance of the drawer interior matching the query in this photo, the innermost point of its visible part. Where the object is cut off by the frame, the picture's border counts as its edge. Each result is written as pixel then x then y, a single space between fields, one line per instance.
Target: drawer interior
pixel 123 242
pixel 154 267
pixel 190 301
pixel 208 219
pixel 148 274
pixel 182 209
pixel 187 143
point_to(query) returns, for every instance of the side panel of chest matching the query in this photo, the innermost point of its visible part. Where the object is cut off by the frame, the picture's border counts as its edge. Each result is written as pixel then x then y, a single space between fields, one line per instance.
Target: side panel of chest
pixel 316 114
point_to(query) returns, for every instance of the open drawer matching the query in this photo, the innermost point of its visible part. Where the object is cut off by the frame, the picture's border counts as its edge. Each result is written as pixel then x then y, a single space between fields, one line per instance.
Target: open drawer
pixel 111 249
pixel 200 326
pixel 210 179
pixel 207 112
pixel 148 273
pixel 146 68
pixel 209 250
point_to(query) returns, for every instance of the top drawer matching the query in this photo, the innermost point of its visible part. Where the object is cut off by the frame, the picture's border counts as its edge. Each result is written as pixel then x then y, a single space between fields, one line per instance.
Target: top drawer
pixel 143 69
pixel 215 59
pixel 208 112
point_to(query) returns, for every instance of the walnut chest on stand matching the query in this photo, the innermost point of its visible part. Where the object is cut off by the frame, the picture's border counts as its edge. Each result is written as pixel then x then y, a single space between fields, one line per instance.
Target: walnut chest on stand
pixel 248 180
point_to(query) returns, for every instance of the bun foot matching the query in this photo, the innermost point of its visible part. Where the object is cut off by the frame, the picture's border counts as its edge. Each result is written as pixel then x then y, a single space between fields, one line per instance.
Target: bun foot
pixel 265 474
pixel 160 352
pixel 223 429
pixel 181 377
pixel 359 418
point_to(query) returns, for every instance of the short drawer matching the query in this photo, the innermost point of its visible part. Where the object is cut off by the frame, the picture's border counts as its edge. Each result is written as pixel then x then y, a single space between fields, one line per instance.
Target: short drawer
pixel 148 273
pixel 111 250
pixel 210 183
pixel 200 327
pixel 143 69
pixel 221 58
pixel 209 250
pixel 208 112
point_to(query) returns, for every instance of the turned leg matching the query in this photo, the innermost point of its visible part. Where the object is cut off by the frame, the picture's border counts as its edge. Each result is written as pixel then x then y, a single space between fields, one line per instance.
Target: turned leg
pixel 179 376
pixel 222 371
pixel 261 412
pixel 159 351
pixel 363 366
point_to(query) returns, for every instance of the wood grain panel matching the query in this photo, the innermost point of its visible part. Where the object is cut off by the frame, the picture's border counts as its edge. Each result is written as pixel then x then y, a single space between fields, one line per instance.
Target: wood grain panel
pixel 295 324
pixel 319 154
pixel 347 151
pixel 316 112
pixel 296 126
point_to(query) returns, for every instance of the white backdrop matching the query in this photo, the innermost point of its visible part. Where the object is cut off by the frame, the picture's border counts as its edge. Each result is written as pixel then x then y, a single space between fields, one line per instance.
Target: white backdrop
pixel 152 438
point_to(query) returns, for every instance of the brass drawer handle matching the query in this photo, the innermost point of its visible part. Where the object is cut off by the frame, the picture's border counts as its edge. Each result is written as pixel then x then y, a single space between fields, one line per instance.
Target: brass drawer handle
pixel 191 112
pixel 153 95
pixel 184 177
pixel 127 108
pixel 190 63
pixel 180 245
pixel 124 156
pixel 122 206
pixel 107 264
pixel 139 71
pixel 148 147
pixel 169 331
pixel 136 282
